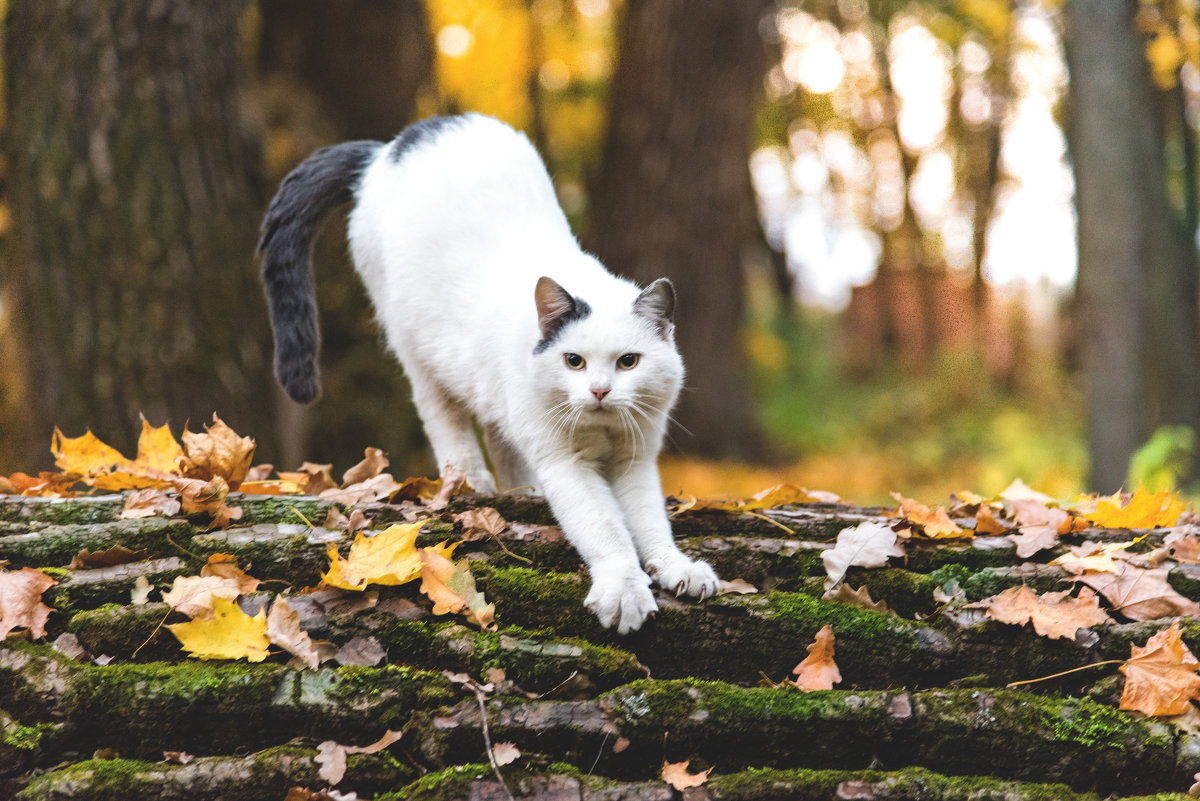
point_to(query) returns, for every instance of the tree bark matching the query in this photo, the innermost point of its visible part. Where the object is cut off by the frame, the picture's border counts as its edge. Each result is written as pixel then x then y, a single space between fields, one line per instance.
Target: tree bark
pixel 131 261
pixel 674 197
pixel 1134 311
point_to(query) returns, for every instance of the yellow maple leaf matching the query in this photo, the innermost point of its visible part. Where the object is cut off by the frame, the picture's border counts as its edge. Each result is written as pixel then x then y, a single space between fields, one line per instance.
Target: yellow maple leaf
pixel 390 557
pixel 230 634
pixel 1144 510
pixel 452 587
pixel 158 449
pixel 86 455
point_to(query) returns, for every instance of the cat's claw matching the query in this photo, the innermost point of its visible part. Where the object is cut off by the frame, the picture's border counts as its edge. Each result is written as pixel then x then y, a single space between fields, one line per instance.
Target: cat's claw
pixel 621 598
pixel 682 576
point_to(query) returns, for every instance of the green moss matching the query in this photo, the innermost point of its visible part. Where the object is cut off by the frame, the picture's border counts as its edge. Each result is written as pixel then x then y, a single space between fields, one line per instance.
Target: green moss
pixel 905 592
pixel 534 599
pixel 766 784
pixel 120 630
pixel 1092 725
pixel 280 509
pixel 26 738
pixel 411 687
pixel 105 780
pixel 452 782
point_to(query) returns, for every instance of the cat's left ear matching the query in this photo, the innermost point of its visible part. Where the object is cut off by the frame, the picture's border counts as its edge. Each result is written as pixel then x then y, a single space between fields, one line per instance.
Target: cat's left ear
pixel 657 304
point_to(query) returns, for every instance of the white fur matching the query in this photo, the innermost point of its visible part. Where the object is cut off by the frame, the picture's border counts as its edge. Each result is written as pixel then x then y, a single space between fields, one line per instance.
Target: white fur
pixel 450 242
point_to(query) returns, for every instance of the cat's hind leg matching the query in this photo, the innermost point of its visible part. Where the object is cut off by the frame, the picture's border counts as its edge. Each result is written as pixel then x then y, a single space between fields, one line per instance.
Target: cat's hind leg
pixel 450 430
pixel 511 469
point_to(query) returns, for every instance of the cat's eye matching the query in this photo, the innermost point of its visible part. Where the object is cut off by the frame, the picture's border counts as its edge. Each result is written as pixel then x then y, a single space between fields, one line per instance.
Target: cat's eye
pixel 574 361
pixel 628 361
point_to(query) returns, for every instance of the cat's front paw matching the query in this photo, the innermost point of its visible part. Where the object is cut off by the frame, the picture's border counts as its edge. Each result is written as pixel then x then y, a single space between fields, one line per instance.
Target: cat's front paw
pixel 621 597
pixel 682 576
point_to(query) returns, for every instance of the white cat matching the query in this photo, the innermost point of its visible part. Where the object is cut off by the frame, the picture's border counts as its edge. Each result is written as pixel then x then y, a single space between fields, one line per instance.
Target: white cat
pixel 497 315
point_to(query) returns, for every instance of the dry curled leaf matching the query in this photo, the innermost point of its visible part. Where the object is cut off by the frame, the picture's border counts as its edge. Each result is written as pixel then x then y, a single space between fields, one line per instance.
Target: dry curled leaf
pixel 676 774
pixel 505 753
pixel 869 544
pixel 21 604
pixel 935 522
pixel 818 671
pixel 283 629
pixel 194 595
pixel 1160 676
pixel 150 502
pixel 1056 615
pixel 1140 593
pixel 331 756
pixel 390 557
pixel 217 453
pixel 452 588
pixel 224 565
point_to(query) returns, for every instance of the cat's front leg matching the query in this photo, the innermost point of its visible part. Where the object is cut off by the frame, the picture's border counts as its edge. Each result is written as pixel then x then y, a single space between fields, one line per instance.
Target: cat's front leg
pixel 639 492
pixel 584 505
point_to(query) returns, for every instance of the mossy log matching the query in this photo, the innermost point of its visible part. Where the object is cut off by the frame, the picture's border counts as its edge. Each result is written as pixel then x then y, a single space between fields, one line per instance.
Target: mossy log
pixel 921 710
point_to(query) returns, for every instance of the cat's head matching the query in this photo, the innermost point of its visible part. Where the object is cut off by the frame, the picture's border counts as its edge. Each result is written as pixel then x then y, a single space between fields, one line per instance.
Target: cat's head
pixel 607 358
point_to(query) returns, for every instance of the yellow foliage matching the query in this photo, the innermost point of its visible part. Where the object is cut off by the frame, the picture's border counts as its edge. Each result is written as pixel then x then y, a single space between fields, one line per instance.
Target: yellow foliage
pixel 230 634
pixel 1144 510
pixel 390 557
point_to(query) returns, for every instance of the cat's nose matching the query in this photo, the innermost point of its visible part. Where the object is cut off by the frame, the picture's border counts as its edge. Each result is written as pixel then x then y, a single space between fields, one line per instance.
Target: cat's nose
pixel 601 392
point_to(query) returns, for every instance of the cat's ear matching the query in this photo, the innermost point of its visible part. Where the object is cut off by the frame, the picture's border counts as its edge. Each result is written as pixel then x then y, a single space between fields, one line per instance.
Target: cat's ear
pixel 555 307
pixel 657 304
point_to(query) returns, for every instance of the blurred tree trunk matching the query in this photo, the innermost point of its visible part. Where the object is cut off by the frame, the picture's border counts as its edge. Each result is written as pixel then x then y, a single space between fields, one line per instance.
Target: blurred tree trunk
pixel 674 197
pixel 1136 268
pixel 360 67
pixel 367 60
pixel 131 260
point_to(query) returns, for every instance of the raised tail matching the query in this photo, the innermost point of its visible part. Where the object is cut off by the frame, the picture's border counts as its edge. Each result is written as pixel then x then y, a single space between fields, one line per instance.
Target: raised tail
pixel 323 180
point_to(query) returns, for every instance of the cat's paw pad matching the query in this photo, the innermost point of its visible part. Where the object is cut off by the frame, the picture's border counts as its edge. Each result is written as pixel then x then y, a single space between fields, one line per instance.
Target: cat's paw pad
pixel 683 576
pixel 621 599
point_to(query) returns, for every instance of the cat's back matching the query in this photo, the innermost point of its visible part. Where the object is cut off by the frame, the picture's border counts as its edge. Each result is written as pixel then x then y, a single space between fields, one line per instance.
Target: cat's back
pixel 465 172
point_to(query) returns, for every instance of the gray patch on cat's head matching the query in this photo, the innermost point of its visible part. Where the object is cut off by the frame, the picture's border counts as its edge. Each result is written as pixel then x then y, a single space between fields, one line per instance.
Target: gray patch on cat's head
pixel 657 304
pixel 556 309
pixel 419 133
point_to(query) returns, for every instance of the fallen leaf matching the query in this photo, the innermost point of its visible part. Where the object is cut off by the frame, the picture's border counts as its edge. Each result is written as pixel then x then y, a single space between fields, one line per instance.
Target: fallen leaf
pixel 779 495
pixel 281 486
pixel 229 634
pixel 452 588
pixel 260 472
pixel 150 502
pixel 85 455
pixel 315 478
pixel 1055 615
pixel 859 597
pixel 504 753
pixel 207 497
pixel 217 453
pixel 374 462
pixel 1094 557
pixel 676 774
pixel 737 586
pixel 481 520
pixel 417 489
pixel 454 481
pixel 390 557
pixel 194 596
pixel 178 757
pixel 21 601
pixel 373 489
pixel 1140 593
pixel 869 544
pixel 224 565
pixel 986 522
pixel 1184 546
pixel 1144 510
pixel 331 756
pixel 1160 676
pixel 283 629
pixel 1032 539
pixel 935 523
pixel 141 591
pixel 116 555
pixel 818 671
pixel 1018 490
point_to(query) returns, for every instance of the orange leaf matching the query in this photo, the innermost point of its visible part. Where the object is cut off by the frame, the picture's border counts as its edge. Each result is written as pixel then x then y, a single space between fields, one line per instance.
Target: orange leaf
pixel 452 588
pixel 219 452
pixel 1055 615
pixel 157 449
pixel 21 601
pixel 1160 676
pixel 986 522
pixel 225 566
pixel 676 774
pixel 1141 594
pixel 934 522
pixel 86 455
pixel 818 671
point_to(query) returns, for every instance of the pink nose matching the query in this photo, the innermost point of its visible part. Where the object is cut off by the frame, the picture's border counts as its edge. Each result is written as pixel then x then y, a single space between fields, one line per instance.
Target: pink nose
pixel 601 392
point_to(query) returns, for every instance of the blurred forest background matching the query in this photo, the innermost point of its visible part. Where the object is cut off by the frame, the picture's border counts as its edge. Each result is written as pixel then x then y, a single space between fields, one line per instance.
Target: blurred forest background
pixel 919 246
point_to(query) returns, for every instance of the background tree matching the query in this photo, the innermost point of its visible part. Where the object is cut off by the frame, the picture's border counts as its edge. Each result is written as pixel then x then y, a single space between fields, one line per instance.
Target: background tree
pixel 673 196
pixel 327 71
pixel 1136 287
pixel 129 267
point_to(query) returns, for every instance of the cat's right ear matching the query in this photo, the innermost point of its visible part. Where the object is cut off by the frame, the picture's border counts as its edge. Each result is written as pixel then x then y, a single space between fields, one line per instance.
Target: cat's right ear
pixel 555 306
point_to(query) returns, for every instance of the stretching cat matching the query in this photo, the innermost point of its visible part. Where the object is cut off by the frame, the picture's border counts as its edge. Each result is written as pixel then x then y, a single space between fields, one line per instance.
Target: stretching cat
pixel 498 316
